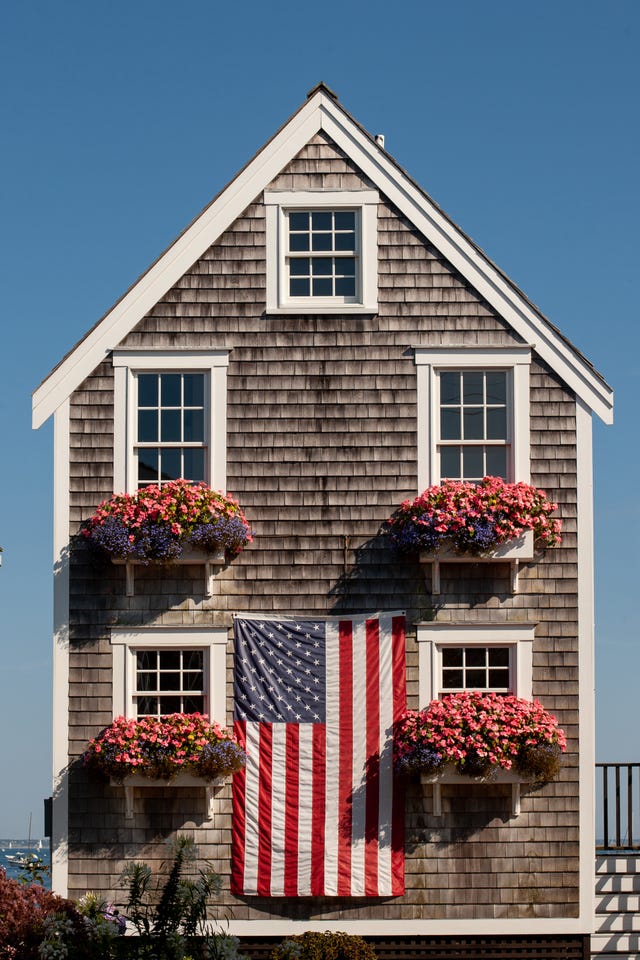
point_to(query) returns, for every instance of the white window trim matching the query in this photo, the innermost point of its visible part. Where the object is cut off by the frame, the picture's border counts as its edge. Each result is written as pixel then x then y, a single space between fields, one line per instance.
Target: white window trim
pixel 430 361
pixel 126 640
pixel 126 364
pixel 277 203
pixel 432 637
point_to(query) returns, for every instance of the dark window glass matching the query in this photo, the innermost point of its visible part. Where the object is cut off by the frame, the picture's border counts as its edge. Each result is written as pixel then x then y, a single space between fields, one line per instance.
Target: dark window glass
pixel 146 659
pixel 298 221
pixel 300 267
pixel 194 425
pixel 194 389
pixel 194 464
pixel 193 659
pixel 192 681
pixel 299 288
pixel 299 242
pixel 497 462
pixel 496 386
pixel 498 656
pixel 146 681
pixel 321 220
pixel 449 424
pixel 452 679
pixel 476 679
pixel 147 706
pixel 452 656
pixel 345 267
pixel 499 679
pixel 345 241
pixel 147 426
pixel 322 267
pixel 148 466
pixel 322 288
pixel 450 388
pixel 473 423
pixel 170 705
pixel 497 423
pixel 169 659
pixel 170 465
pixel 450 463
pixel 476 656
pixel 170 426
pixel 345 287
pixel 169 681
pixel 148 389
pixel 193 704
pixel 171 389
pixel 473 465
pixel 345 220
pixel 473 386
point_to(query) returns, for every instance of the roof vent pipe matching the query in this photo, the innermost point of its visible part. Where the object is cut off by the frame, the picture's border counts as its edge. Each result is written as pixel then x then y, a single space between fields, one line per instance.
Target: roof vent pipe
pixel 379 138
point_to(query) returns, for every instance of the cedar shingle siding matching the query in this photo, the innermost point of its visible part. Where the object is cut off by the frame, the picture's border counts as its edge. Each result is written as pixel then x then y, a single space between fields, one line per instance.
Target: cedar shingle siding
pixel 321 449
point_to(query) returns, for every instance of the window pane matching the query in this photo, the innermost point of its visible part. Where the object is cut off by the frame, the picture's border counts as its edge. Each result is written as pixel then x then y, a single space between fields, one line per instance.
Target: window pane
pixel 193 705
pixel 147 466
pixel 345 241
pixel 499 679
pixel 449 388
pixel 194 465
pixel 170 465
pixel 299 288
pixel 146 659
pixel 321 241
pixel 322 267
pixel 299 241
pixel 193 659
pixel 322 288
pixel 473 386
pixel 147 426
pixel 146 681
pixel 449 424
pixel 298 221
pixel 473 466
pixel 497 424
pixel 147 706
pixel 194 389
pixel 320 220
pixel 499 657
pixel 299 267
pixel 450 463
pixel 171 389
pixel 452 656
pixel 192 681
pixel 170 426
pixel 476 656
pixel 169 659
pixel 346 286
pixel 169 681
pixel 497 462
pixel 169 705
pixel 473 422
pixel 194 425
pixel 345 267
pixel 452 679
pixel 345 220
pixel 496 386
pixel 477 679
pixel 147 389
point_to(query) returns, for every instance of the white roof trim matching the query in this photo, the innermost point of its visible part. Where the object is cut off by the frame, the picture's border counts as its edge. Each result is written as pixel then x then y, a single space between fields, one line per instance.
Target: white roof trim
pixel 321 112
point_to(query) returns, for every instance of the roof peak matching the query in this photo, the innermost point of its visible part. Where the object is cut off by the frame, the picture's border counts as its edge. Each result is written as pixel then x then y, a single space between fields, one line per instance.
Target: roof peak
pixel 322 88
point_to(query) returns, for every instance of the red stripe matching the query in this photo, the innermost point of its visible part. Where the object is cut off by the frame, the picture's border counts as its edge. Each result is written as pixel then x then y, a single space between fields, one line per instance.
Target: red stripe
pixel 399 705
pixel 291 811
pixel 264 810
pixel 319 809
pixel 345 763
pixel 372 800
pixel 238 825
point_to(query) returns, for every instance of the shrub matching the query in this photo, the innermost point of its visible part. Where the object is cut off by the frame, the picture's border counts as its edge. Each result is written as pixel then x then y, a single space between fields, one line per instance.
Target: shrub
pixel 26 915
pixel 323 946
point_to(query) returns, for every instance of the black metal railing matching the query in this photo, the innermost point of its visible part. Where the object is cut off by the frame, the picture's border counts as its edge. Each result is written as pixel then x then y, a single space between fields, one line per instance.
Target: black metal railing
pixel 618 806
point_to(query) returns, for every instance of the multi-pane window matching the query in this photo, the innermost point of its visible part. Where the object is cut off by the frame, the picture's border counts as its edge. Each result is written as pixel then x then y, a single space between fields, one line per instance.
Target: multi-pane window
pixel 169 681
pixel 476 668
pixel 171 439
pixel 322 254
pixel 474 428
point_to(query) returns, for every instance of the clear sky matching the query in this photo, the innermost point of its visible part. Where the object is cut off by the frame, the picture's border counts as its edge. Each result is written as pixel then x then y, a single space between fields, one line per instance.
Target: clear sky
pixel 120 121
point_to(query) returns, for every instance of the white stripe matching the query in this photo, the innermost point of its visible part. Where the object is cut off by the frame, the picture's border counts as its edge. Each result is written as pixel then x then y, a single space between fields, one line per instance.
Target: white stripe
pixel 278 806
pixel 386 757
pixel 305 809
pixel 252 773
pixel 359 759
pixel 332 783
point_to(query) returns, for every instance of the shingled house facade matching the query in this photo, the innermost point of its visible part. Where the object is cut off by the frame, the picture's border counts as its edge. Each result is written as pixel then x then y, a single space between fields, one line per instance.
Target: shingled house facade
pixel 320 405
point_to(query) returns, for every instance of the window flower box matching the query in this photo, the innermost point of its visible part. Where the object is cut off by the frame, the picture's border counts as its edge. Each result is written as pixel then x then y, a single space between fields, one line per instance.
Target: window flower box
pixel 462 522
pixel 180 522
pixel 179 750
pixel 475 737
pixel 137 781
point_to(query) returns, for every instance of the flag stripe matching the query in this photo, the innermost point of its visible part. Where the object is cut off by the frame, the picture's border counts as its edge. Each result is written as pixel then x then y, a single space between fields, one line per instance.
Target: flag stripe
pixel 345 760
pixel 265 786
pixel 318 843
pixel 372 758
pixel 238 823
pixel 278 801
pixel 399 705
pixel 292 805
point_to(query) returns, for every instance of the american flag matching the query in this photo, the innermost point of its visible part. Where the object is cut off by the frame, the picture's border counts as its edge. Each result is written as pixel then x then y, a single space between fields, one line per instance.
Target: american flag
pixel 316 812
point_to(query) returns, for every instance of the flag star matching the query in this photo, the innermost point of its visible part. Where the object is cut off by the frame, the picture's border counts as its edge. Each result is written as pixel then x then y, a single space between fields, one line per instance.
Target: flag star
pixel 316 626
pixel 298 643
pixel 308 671
pixel 298 716
pixel 316 717
pixel 316 697
pixel 307 636
pixel 279 643
pixel 271 635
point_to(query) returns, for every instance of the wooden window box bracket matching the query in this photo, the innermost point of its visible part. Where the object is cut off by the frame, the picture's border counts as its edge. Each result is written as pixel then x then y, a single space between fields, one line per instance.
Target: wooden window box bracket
pixel 211 562
pixel 452 776
pixel 137 781
pixel 512 552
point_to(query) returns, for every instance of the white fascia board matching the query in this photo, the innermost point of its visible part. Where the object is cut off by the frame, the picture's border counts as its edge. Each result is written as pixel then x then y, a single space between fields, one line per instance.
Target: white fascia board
pixel 467 259
pixel 320 112
pixel 537 926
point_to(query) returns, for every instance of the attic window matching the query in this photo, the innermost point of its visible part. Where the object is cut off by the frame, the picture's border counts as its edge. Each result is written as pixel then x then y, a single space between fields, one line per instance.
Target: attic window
pixel 321 251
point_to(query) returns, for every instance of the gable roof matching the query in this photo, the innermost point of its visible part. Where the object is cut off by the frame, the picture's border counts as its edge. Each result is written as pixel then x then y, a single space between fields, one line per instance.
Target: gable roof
pixel 323 112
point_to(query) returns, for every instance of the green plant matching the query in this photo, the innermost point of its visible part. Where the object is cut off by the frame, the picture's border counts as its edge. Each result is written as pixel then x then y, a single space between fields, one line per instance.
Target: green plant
pixel 33 869
pixel 24 913
pixel 167 914
pixel 323 946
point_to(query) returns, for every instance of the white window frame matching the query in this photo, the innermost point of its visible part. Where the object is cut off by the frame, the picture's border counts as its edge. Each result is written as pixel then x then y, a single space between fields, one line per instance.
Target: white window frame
pixel 433 637
pixel 126 641
pixel 431 361
pixel 278 203
pixel 127 363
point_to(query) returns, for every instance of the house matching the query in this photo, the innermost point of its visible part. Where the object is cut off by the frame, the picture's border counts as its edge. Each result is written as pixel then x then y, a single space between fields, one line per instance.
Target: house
pixel 313 314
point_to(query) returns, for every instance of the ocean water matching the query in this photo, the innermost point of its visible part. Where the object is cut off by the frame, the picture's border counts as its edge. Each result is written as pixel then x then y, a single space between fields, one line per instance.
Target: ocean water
pixel 9 849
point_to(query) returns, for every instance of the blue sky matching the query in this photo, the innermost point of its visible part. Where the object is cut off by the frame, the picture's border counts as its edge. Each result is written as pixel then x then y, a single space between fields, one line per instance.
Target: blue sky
pixel 120 121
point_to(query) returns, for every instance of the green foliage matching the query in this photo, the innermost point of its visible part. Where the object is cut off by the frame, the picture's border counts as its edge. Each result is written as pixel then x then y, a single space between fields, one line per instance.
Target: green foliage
pixel 166 914
pixel 220 946
pixel 33 869
pixel 323 946
pixel 24 917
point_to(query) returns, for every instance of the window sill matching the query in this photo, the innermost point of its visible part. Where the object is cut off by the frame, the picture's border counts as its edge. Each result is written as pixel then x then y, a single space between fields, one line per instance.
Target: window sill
pixel 520 548
pixel 452 776
pixel 182 780
pixel 210 561
pixel 320 310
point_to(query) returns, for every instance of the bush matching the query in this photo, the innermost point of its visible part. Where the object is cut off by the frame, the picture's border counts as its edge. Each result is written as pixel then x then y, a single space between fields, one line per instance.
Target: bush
pixel 26 916
pixel 323 946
